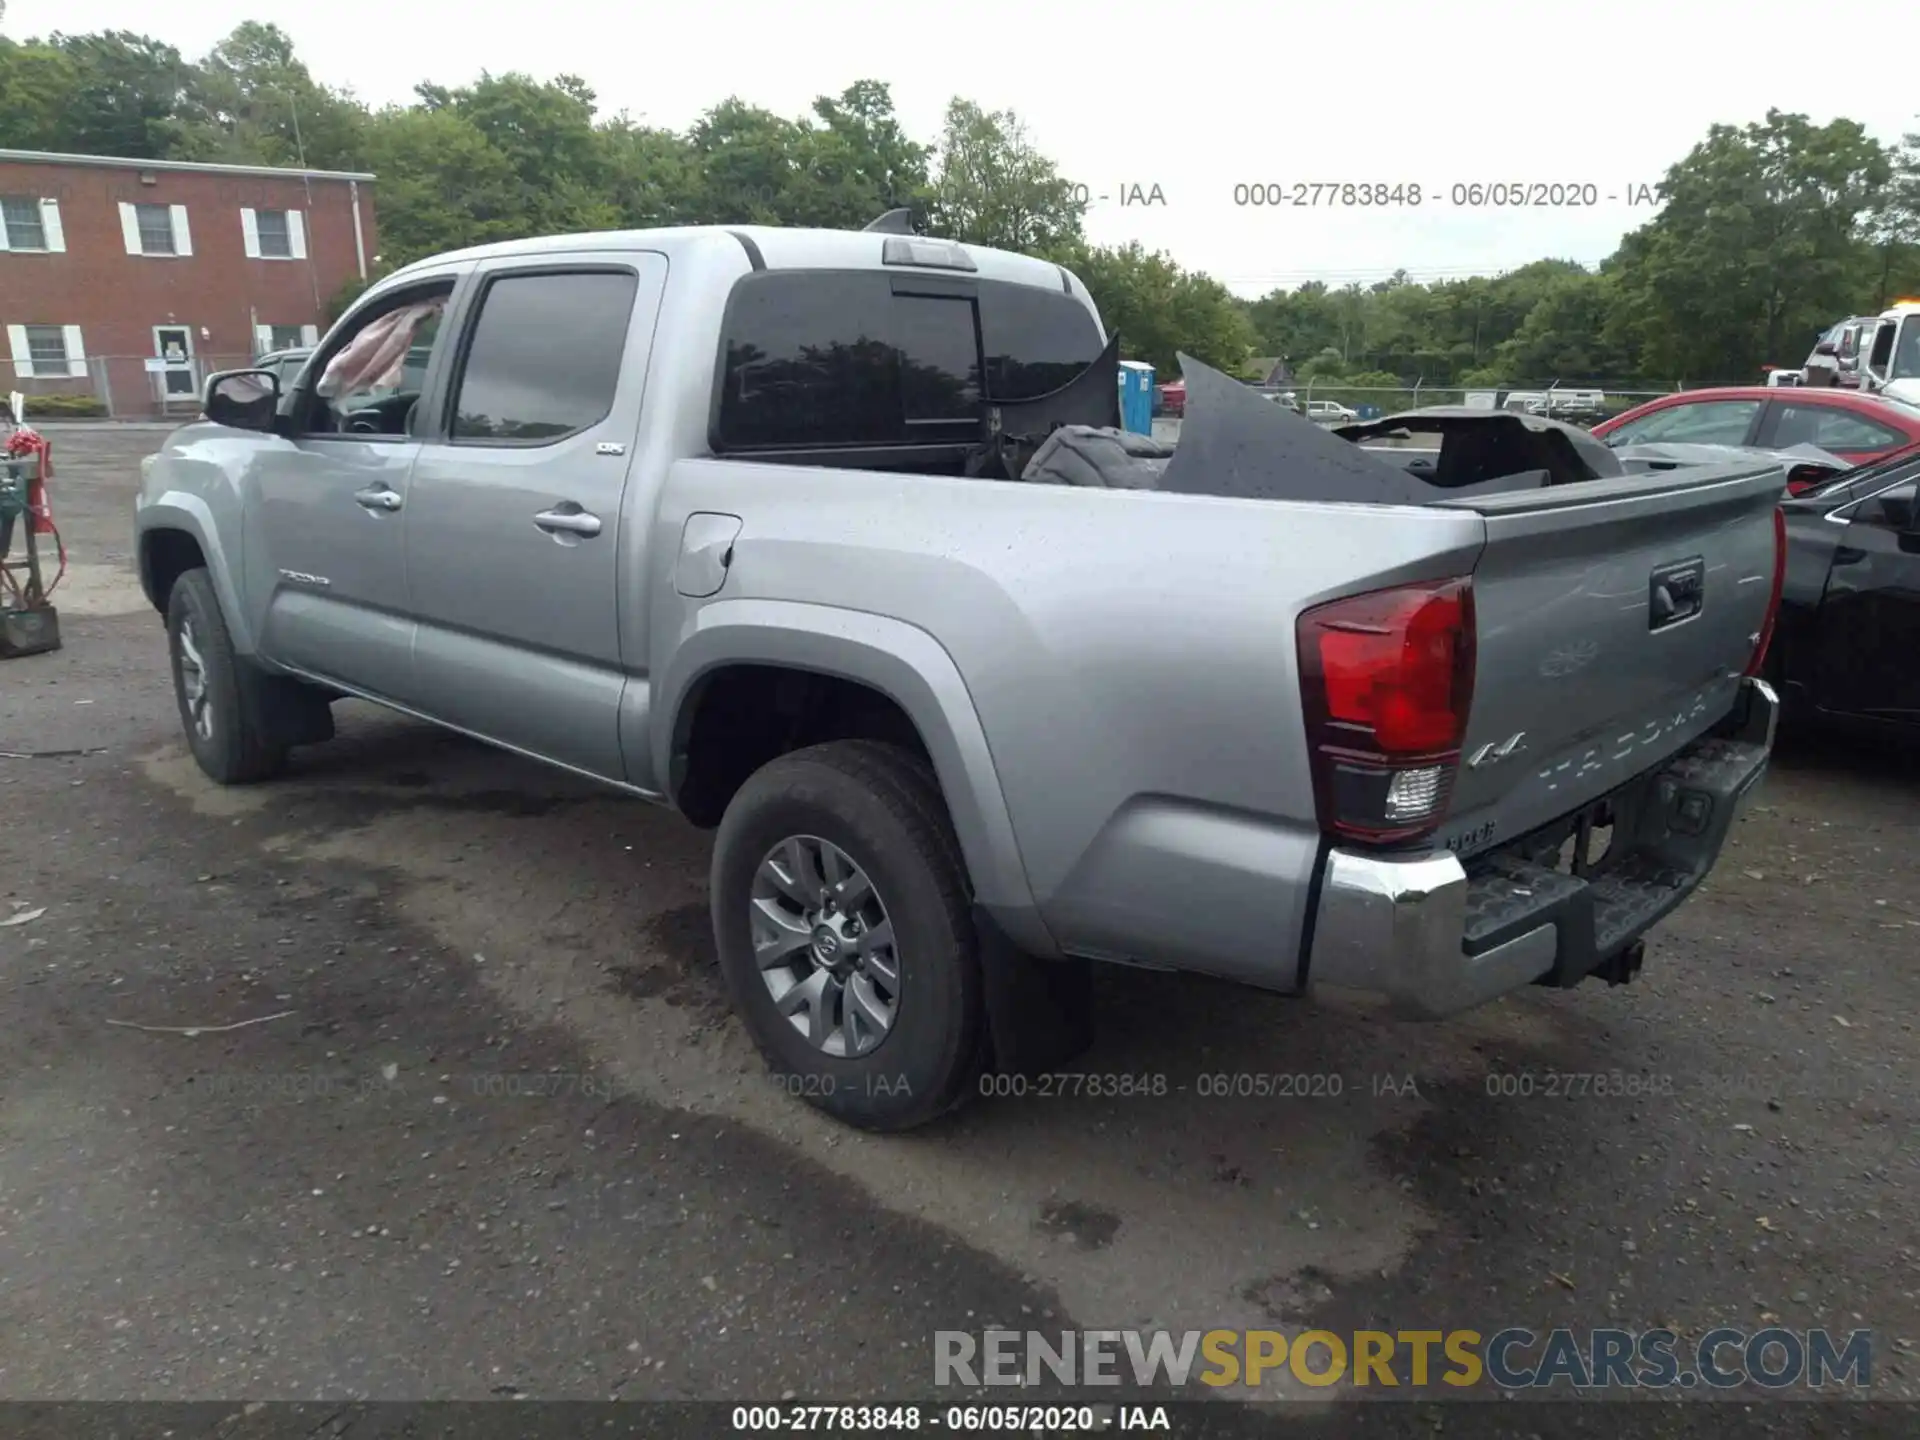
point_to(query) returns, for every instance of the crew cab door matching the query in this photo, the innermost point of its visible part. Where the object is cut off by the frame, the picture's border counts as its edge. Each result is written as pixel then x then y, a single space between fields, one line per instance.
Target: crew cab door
pixel 513 532
pixel 325 506
pixel 1869 625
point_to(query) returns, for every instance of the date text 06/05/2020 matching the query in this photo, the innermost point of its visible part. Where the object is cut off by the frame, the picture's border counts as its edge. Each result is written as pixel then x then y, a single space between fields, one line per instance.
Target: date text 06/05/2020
pixel 1461 195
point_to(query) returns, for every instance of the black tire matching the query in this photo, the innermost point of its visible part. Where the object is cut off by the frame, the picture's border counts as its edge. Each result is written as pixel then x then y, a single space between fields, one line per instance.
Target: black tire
pixel 881 806
pixel 240 748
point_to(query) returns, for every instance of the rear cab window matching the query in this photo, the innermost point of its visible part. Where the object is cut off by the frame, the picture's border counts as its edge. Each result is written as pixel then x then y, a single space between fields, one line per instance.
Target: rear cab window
pixel 850 360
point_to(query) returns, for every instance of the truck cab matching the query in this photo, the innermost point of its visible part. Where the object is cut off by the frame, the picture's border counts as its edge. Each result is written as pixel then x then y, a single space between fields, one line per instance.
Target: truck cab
pixel 1890 362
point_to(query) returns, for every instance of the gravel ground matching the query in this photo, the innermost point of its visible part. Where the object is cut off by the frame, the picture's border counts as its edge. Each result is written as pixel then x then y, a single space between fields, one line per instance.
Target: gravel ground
pixel 486 1127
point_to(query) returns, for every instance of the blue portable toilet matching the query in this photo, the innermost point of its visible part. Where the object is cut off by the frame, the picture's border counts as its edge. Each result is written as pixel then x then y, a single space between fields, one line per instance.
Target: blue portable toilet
pixel 1136 396
pixel 1368 412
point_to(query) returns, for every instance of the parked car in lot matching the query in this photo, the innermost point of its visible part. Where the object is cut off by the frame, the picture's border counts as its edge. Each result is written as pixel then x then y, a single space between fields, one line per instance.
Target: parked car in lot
pixel 862 620
pixel 1836 355
pixel 287 365
pixel 1849 628
pixel 1856 427
pixel 1330 410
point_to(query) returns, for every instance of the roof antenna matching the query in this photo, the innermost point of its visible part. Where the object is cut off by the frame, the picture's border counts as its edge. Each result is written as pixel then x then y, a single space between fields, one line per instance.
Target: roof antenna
pixel 894 222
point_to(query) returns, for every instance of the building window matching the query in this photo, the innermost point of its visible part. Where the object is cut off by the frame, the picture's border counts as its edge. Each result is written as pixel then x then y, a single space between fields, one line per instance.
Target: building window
pixel 155 229
pixel 46 352
pixel 47 348
pixel 275 234
pixel 21 222
pixel 275 242
pixel 285 337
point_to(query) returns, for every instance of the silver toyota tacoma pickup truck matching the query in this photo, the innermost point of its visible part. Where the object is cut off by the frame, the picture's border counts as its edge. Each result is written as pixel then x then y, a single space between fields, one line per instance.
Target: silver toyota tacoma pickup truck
pixel 831 541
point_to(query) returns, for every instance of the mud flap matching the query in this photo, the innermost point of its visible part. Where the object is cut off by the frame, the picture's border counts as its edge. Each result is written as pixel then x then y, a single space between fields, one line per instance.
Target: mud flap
pixel 1039 1012
pixel 292 712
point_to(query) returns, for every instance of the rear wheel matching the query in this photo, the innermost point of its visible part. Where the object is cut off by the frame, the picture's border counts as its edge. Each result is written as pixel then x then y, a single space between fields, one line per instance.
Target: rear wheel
pixel 841 914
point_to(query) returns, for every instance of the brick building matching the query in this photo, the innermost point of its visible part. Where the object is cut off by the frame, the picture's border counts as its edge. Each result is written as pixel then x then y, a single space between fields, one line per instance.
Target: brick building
pixel 132 280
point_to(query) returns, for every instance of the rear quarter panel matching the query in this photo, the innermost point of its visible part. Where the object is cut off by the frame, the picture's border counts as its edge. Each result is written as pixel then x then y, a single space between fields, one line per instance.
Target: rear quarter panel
pixel 1131 658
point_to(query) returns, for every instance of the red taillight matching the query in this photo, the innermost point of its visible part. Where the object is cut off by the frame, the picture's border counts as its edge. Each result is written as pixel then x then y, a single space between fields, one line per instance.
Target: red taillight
pixel 1759 660
pixel 1387 678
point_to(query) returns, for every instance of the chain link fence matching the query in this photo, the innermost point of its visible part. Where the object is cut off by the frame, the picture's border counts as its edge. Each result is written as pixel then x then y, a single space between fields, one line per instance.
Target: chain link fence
pixel 1330 400
pixel 113 387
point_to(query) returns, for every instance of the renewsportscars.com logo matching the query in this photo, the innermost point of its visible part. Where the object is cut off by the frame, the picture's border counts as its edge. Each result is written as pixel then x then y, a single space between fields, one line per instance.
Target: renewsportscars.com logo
pixel 1510 1359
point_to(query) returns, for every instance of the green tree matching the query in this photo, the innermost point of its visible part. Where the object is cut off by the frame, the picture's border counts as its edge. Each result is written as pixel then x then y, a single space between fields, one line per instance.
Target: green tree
pixel 1160 309
pixel 1893 229
pixel 126 97
pixel 442 185
pixel 36 84
pixel 1563 337
pixel 252 101
pixel 865 153
pixel 1756 247
pixel 994 187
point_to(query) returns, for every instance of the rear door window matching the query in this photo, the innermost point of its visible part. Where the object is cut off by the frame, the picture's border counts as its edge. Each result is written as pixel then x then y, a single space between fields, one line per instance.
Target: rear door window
pixel 820 360
pixel 543 360
pixel 1828 427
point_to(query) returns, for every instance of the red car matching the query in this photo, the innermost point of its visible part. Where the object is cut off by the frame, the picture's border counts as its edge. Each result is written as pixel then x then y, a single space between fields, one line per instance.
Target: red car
pixel 1173 398
pixel 1858 428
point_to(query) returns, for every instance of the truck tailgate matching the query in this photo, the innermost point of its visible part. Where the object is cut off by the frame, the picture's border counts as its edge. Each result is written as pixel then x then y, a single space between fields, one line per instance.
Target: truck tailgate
pixel 1614 619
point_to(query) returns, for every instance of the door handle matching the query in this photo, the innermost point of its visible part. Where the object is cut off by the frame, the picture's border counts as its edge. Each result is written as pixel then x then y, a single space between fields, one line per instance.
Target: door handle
pixel 378 498
pixel 571 522
pixel 1848 555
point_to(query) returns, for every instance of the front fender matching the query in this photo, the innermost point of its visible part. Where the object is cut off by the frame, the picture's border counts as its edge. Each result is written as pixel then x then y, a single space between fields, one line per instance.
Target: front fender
pixel 190 514
pixel 912 669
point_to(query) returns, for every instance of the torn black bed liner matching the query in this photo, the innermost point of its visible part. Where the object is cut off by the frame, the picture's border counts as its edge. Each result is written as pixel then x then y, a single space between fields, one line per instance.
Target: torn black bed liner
pixel 1234 442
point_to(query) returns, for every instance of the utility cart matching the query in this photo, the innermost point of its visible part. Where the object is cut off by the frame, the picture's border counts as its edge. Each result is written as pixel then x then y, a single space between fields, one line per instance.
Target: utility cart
pixel 29 624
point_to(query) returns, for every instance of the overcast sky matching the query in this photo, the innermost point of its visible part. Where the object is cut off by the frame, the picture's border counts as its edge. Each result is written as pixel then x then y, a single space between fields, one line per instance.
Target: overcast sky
pixel 1194 96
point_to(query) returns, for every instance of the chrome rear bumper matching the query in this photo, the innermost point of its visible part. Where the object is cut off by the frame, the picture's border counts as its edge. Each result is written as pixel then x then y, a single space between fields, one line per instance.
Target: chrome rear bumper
pixel 1437 936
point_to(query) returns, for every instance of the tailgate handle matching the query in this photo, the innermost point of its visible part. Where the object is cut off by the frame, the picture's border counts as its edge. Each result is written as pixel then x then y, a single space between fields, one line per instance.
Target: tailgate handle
pixel 1675 592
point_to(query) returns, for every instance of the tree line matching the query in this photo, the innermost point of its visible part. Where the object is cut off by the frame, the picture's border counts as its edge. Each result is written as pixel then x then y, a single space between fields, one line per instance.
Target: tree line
pixel 1765 232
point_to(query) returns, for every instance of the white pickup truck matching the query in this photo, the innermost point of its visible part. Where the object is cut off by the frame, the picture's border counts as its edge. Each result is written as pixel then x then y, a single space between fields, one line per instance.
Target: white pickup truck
pixel 1890 358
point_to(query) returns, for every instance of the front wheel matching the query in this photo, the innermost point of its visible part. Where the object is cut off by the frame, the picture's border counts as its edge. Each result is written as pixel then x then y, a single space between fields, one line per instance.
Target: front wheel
pixel 841 914
pixel 222 724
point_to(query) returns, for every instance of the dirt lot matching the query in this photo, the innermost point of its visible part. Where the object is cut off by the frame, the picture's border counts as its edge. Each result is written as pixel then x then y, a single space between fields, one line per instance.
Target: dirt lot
pixel 502 1135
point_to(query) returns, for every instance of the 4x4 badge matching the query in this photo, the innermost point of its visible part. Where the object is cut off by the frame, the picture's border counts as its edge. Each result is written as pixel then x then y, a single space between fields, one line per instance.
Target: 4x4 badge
pixel 1492 754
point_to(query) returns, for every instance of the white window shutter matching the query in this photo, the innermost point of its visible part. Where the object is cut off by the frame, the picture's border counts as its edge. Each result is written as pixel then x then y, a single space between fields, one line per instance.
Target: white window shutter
pixel 50 222
pixel 309 334
pixel 5 243
pixel 262 339
pixel 182 237
pixel 76 352
pixel 297 233
pixel 250 228
pixel 22 355
pixel 130 228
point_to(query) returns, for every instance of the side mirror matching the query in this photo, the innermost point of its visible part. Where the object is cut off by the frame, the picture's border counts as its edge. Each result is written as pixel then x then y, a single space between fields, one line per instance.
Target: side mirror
pixel 1802 477
pixel 243 399
pixel 1826 347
